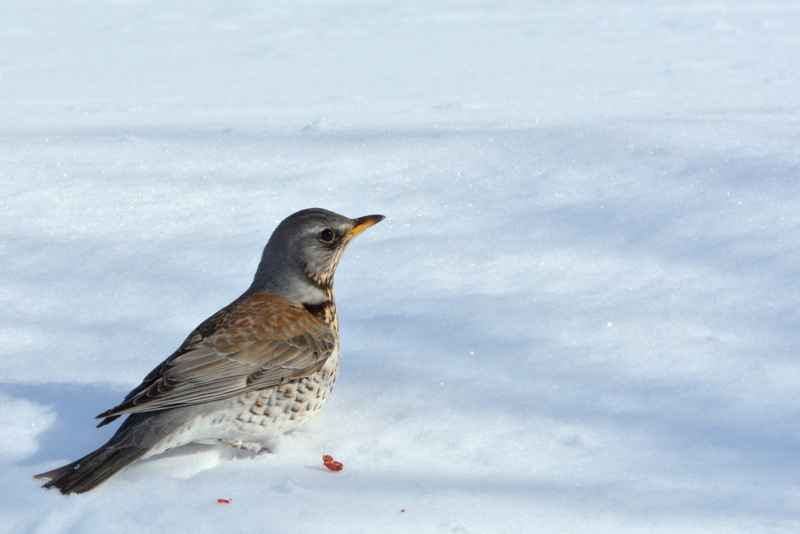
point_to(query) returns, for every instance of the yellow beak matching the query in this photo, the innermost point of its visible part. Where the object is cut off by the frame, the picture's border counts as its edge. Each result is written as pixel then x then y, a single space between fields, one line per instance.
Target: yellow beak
pixel 362 223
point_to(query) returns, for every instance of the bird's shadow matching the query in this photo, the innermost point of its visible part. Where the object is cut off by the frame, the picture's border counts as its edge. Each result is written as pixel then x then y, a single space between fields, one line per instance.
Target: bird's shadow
pixel 73 433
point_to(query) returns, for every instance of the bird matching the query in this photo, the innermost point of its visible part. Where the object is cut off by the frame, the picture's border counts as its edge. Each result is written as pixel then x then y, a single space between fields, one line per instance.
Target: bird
pixel 256 369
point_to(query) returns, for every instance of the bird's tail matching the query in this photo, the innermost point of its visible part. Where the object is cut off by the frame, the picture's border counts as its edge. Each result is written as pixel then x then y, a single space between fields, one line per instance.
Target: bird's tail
pixel 140 433
pixel 93 469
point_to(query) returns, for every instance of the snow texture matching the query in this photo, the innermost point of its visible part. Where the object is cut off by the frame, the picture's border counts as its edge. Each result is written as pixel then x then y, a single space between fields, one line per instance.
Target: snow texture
pixel 580 315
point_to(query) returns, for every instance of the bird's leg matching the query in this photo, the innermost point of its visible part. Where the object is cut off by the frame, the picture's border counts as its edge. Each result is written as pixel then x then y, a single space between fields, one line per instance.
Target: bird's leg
pixel 246 445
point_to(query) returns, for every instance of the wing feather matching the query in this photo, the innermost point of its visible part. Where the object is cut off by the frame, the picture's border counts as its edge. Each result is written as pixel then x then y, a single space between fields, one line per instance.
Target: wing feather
pixel 259 341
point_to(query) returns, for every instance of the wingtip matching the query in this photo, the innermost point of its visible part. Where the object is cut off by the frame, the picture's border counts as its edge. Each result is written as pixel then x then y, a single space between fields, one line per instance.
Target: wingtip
pixel 106 418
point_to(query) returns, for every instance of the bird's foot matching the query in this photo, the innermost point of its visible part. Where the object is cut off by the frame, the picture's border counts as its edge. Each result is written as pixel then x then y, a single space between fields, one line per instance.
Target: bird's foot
pixel 246 445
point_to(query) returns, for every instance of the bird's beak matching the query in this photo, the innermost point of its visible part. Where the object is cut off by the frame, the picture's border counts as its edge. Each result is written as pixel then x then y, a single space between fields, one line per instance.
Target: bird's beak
pixel 362 223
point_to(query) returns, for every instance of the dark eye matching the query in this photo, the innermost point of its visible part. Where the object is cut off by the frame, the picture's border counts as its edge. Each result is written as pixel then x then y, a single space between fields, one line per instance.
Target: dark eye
pixel 327 235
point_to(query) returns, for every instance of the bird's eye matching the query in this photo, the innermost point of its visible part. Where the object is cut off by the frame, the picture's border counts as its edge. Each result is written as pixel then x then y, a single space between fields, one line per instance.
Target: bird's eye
pixel 327 235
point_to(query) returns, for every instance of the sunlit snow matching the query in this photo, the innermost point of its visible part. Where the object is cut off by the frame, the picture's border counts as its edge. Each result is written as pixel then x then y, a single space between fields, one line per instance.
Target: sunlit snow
pixel 580 315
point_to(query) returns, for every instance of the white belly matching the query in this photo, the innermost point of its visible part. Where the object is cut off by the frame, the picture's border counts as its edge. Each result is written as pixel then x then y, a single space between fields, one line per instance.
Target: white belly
pixel 255 419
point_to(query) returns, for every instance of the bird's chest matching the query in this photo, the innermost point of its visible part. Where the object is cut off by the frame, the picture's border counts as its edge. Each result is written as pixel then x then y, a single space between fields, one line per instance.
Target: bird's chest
pixel 283 408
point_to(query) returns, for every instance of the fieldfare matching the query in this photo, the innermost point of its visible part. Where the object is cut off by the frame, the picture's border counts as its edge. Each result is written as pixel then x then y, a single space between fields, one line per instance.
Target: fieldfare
pixel 259 367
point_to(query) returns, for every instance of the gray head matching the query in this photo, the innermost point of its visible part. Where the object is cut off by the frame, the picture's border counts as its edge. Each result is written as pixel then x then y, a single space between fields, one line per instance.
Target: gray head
pixel 301 256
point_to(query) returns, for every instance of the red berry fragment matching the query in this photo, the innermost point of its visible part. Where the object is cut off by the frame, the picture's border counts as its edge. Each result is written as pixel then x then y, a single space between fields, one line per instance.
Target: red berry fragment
pixel 224 501
pixel 330 463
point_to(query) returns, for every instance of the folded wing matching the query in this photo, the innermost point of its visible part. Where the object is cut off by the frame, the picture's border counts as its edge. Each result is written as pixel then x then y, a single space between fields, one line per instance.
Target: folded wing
pixel 259 341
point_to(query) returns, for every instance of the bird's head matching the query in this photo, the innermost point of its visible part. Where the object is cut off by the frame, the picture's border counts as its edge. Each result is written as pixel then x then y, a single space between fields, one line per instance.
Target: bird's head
pixel 300 258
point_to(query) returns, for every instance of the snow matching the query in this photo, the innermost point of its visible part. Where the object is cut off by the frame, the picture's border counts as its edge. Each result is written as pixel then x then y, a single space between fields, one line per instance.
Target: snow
pixel 579 315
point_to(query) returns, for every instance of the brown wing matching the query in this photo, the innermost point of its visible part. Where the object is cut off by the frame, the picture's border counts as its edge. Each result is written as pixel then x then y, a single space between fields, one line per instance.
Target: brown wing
pixel 259 341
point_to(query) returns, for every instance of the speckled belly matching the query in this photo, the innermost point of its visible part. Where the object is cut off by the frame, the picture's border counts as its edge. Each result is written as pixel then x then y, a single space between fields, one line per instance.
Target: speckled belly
pixel 278 410
pixel 255 419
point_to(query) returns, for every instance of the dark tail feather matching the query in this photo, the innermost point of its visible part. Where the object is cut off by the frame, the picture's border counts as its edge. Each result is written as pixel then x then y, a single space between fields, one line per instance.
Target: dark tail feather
pixel 137 435
pixel 93 469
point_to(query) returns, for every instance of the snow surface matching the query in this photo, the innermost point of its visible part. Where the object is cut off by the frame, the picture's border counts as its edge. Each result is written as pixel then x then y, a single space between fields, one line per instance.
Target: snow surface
pixel 580 315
